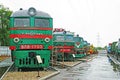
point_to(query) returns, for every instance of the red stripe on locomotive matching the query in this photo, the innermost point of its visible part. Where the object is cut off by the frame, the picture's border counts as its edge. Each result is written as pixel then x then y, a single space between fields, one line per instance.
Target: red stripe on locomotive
pixel 43 36
pixel 28 28
pixel 65 47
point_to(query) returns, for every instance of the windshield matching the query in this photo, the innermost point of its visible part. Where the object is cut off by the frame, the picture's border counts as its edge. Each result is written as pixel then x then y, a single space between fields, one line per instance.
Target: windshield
pixel 81 39
pixel 21 22
pixel 41 22
pixel 60 38
pixel 118 45
pixel 69 37
pixel 76 39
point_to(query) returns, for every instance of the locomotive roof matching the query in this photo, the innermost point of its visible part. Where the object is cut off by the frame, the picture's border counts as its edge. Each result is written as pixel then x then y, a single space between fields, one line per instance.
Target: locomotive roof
pixel 67 33
pixel 25 13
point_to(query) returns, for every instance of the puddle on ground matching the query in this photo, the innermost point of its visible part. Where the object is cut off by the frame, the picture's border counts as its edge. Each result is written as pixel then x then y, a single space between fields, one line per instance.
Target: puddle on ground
pixel 100 68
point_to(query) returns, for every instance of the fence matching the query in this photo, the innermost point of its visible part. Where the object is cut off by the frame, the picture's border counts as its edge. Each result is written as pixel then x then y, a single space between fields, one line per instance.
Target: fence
pixel 4 50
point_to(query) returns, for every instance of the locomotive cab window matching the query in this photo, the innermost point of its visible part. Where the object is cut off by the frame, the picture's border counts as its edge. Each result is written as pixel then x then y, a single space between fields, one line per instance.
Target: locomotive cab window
pixel 118 44
pixel 76 39
pixel 21 22
pixel 60 38
pixel 69 37
pixel 41 22
pixel 81 40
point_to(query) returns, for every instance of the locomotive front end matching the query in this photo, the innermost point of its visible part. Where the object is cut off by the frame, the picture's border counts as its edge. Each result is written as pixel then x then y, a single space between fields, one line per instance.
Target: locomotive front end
pixel 31 38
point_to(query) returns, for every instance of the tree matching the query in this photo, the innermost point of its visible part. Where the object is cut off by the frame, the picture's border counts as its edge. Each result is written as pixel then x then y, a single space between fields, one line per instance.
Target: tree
pixel 4 25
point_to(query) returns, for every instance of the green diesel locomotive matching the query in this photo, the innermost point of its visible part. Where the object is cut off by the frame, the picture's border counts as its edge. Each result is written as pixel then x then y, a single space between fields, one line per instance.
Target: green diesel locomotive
pixel 64 43
pixel 31 38
pixel 79 47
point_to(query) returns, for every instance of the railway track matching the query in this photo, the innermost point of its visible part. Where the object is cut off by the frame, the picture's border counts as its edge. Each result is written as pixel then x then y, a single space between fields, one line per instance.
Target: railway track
pixel 5 70
pixel 5 66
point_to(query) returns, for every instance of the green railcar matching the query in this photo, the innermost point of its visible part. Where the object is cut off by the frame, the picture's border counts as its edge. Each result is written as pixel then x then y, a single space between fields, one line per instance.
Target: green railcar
pixel 63 42
pixel 117 50
pixel 113 47
pixel 31 38
pixel 79 47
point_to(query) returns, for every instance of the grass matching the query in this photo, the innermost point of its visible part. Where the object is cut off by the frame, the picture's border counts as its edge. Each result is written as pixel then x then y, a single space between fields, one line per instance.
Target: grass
pixel 26 75
pixel 3 57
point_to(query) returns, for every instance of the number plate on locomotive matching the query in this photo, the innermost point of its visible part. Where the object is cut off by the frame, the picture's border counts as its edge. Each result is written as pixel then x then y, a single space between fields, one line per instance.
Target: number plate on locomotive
pixel 31 46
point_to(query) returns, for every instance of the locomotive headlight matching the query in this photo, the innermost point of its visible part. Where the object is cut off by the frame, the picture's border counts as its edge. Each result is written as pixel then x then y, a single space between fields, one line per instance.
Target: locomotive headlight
pixel 47 39
pixel 16 40
pixel 32 11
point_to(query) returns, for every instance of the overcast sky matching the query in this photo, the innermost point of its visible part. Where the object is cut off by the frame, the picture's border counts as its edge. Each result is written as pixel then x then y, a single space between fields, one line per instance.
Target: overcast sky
pixel 94 20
